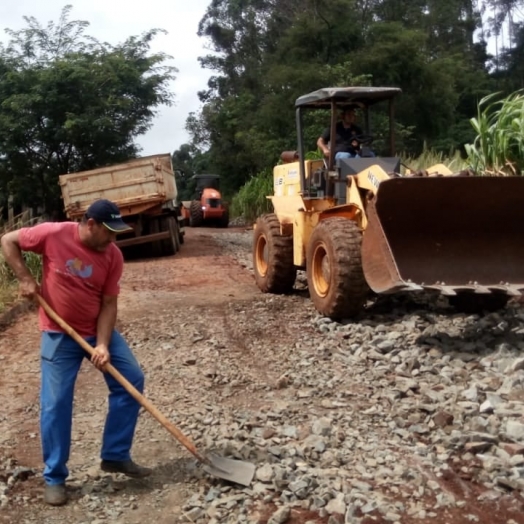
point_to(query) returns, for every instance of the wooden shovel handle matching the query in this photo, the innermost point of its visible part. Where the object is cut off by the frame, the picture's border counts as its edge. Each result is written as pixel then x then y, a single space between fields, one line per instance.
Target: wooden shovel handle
pixel 126 384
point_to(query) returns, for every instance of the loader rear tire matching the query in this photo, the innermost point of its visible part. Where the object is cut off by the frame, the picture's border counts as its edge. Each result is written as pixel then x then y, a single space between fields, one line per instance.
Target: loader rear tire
pixel 196 215
pixel 273 256
pixel 472 303
pixel 335 276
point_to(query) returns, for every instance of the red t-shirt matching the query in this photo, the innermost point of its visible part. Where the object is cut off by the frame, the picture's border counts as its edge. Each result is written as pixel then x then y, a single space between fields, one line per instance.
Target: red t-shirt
pixel 75 277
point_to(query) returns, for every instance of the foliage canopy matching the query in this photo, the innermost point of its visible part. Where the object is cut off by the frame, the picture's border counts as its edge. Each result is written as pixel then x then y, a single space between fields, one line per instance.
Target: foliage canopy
pixel 70 102
pixel 266 53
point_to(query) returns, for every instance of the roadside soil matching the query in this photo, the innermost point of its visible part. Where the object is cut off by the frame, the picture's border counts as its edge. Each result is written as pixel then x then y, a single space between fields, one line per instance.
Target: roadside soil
pixel 176 314
pixel 195 282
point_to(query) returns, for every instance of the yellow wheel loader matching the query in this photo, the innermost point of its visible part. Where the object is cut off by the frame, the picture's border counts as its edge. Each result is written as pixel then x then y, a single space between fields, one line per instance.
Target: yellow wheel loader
pixel 359 224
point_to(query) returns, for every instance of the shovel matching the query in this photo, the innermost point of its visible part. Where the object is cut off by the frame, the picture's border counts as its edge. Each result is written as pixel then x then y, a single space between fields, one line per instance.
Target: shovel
pixel 236 471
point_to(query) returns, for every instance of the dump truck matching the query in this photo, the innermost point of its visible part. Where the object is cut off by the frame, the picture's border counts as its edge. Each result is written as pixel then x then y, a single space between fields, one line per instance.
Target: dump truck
pixel 207 206
pixel 360 227
pixel 145 191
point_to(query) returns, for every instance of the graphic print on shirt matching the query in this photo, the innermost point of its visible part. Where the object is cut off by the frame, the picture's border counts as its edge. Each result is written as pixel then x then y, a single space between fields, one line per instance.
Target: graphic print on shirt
pixel 77 268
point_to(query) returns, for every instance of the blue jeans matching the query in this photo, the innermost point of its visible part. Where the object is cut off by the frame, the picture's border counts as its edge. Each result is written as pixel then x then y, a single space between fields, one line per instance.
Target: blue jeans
pixel 61 358
pixel 344 154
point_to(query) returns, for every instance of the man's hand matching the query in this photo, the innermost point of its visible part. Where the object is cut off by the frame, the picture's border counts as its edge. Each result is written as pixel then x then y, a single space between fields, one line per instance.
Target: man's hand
pixel 28 287
pixel 100 357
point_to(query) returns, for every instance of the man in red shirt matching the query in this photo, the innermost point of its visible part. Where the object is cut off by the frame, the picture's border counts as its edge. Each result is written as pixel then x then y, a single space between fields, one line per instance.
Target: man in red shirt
pixel 82 267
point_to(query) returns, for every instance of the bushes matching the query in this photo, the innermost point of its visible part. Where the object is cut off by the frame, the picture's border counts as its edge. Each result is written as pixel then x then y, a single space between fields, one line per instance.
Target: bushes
pixel 251 201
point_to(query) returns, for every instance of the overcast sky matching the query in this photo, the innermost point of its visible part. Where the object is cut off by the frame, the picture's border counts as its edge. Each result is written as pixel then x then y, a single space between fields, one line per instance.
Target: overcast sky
pixel 113 21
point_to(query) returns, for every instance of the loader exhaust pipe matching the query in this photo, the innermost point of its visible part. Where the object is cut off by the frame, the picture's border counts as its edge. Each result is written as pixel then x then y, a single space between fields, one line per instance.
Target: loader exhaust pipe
pixel 300 149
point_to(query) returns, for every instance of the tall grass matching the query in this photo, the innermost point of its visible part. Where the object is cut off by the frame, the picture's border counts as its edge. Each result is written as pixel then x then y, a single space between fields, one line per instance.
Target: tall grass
pixel 33 263
pixel 430 157
pixel 8 280
pixel 498 148
pixel 251 201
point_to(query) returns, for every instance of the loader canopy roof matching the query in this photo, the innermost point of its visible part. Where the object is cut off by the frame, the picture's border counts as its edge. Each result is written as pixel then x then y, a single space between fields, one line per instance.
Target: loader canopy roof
pixel 322 98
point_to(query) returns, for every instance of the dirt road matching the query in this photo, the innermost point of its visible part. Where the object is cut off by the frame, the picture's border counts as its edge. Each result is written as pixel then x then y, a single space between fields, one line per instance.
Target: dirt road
pixel 251 376
pixel 194 284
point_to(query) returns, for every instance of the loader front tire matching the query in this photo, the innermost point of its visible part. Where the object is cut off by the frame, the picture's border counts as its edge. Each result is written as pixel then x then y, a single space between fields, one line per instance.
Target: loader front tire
pixel 196 215
pixel 272 256
pixel 335 276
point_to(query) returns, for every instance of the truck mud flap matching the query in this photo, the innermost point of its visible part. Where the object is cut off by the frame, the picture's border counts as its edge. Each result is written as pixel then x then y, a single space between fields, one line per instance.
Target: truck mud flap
pixel 452 234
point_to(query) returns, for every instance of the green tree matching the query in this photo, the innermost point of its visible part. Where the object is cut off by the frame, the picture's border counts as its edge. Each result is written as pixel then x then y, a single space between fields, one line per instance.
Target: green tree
pixel 266 53
pixel 513 61
pixel 187 161
pixel 431 50
pixel 69 103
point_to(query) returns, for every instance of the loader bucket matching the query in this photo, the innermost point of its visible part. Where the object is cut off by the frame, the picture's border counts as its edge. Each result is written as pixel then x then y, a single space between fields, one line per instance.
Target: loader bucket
pixel 450 233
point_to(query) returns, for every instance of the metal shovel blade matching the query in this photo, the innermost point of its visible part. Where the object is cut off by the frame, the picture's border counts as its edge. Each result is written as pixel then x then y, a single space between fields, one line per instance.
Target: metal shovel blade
pixel 236 471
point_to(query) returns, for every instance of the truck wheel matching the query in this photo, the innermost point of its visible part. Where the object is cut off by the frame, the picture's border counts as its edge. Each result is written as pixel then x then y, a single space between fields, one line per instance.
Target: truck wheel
pixel 335 276
pixel 173 227
pixel 273 256
pixel 224 221
pixel 175 232
pixel 476 303
pixel 180 226
pixel 156 246
pixel 170 245
pixel 196 215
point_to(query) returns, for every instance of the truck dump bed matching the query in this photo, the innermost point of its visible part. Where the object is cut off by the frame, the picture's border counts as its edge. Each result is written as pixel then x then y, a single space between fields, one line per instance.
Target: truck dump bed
pixel 141 185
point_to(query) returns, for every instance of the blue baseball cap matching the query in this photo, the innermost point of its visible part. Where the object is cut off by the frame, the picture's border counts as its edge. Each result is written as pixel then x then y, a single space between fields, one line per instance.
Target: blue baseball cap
pixel 107 213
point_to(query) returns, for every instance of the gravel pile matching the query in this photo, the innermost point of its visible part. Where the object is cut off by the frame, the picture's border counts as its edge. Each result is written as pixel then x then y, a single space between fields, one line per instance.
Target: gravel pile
pixel 410 413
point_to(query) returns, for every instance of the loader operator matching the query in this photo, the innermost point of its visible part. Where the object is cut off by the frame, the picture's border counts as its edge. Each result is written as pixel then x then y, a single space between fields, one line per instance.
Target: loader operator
pixel 82 267
pixel 346 146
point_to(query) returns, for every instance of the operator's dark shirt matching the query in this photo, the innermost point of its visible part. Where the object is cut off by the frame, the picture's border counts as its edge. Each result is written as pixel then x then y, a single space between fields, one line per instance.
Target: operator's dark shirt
pixel 343 137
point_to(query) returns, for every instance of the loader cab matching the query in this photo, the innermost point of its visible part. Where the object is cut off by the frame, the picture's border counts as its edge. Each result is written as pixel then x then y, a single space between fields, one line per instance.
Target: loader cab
pixel 329 180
